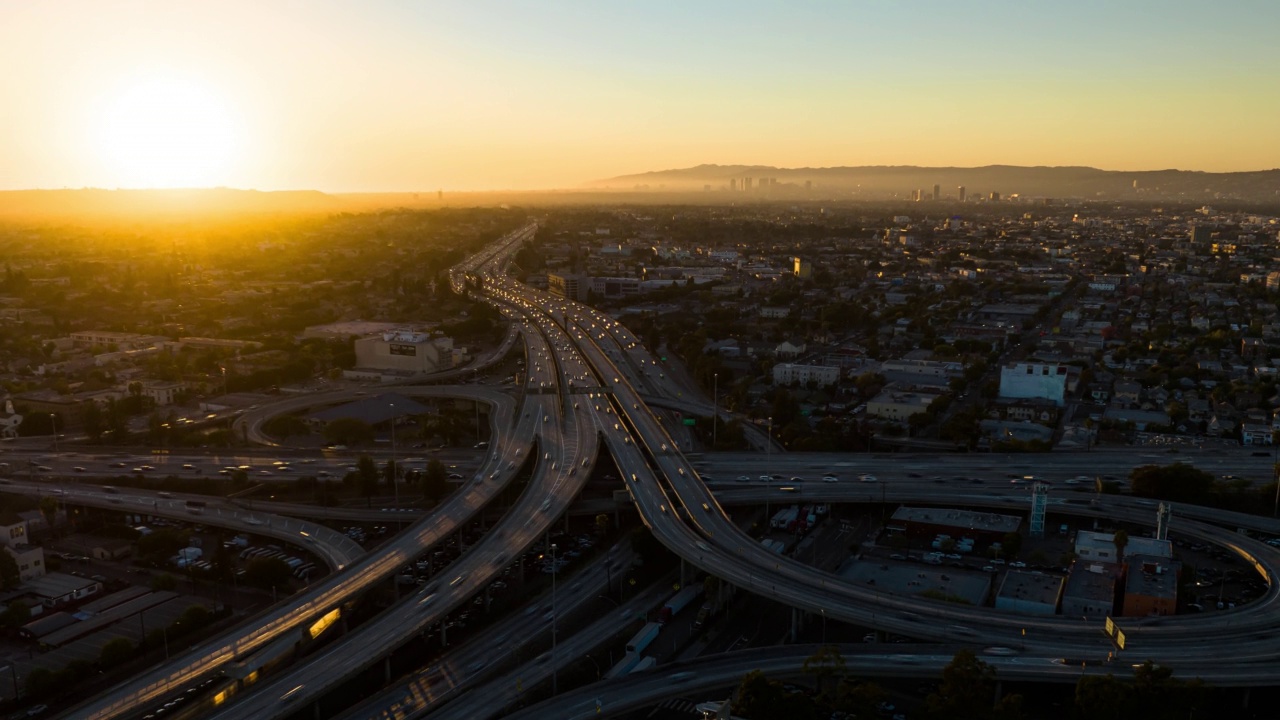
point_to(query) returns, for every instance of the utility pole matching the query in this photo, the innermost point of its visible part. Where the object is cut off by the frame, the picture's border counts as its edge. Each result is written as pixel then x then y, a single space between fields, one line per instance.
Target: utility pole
pixel 715 408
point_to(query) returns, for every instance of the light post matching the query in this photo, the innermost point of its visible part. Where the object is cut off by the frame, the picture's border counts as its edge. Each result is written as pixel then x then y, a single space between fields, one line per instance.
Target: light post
pixel 53 423
pixel 715 408
pixel 768 463
pixel 395 481
pixel 554 572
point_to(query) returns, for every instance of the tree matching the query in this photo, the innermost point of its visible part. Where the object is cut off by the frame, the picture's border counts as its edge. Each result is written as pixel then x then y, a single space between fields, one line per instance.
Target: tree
pixel 115 653
pixel 1121 540
pixel 1179 482
pixel 603 524
pixel 967 690
pixel 759 698
pixel 8 571
pixel 348 431
pixel 92 419
pixel 283 426
pixel 15 615
pixel 1012 544
pixel 164 581
pixel 435 482
pixel 367 477
pixel 267 573
pixel 826 663
pixel 49 509
pixel 160 545
pixel 859 699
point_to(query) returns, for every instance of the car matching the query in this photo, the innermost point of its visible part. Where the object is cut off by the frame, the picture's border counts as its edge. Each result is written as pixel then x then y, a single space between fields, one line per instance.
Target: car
pixel 830 479
pixel 744 478
pixel 35 710
pixel 78 468
pixel 1017 564
pixel 765 478
pixel 867 478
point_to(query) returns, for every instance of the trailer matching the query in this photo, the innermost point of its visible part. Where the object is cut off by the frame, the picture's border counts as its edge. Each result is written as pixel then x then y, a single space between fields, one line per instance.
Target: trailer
pixel 786 520
pixel 624 666
pixel 642 639
pixel 678 602
pixel 644 664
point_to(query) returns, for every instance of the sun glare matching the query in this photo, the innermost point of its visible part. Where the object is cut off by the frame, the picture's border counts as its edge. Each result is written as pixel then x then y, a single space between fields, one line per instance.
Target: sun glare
pixel 165 133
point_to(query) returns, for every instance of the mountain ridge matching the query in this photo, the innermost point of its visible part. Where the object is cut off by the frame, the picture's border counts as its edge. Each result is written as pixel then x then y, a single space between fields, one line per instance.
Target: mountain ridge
pixel 1034 180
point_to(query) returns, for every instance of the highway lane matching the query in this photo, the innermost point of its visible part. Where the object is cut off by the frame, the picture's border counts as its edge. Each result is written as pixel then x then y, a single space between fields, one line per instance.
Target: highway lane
pixel 717 676
pixel 335 549
pixel 492 698
pixel 567 444
pixel 507 644
pixel 778 578
pixel 137 693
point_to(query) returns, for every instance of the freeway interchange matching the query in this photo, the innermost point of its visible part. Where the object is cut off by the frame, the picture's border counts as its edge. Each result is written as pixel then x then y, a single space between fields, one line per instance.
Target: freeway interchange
pixel 591 382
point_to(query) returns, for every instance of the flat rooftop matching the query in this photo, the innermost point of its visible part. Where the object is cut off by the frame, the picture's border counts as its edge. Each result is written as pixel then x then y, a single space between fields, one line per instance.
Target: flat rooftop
pixel 970 519
pixel 895 577
pixel 1031 587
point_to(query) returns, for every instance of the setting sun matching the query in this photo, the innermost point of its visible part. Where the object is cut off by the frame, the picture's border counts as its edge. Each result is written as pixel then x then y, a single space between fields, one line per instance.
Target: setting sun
pixel 167 133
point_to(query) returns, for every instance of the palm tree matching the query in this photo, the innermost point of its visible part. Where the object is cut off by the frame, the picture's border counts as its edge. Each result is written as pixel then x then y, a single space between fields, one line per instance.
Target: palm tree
pixel 1121 540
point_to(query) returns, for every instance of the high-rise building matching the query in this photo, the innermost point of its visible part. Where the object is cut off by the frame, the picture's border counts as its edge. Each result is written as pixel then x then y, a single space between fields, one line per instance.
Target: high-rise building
pixel 960 191
pixel 937 192
pixel 915 196
pixel 802 269
pixel 994 197
pixel 746 184
pixel 733 184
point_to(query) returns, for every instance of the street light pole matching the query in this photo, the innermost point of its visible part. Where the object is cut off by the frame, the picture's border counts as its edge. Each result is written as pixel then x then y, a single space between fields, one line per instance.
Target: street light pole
pixel 53 422
pixel 768 463
pixel 395 484
pixel 554 572
pixel 715 408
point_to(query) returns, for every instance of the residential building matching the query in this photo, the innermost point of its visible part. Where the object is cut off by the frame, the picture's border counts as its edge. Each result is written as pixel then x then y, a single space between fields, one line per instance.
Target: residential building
pixel 162 393
pixel 1030 380
pixel 788 374
pixel 1255 434
pixel 893 404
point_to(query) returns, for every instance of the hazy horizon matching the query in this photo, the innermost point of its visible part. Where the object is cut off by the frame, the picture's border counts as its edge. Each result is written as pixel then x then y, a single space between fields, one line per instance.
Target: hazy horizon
pixel 517 96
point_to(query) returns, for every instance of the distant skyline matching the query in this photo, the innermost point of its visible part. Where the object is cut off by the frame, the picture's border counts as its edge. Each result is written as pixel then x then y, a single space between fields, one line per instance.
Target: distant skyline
pixel 394 96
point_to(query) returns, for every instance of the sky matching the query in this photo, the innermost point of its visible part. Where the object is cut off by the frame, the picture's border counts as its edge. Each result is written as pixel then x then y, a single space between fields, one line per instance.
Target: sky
pixel 383 95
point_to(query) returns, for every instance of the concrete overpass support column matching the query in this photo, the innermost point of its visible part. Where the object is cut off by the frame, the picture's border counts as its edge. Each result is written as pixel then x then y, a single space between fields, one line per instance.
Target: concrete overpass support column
pixel 444 636
pixel 316 710
pixel 681 572
pixel 999 692
pixel 795 620
pixel 386 677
